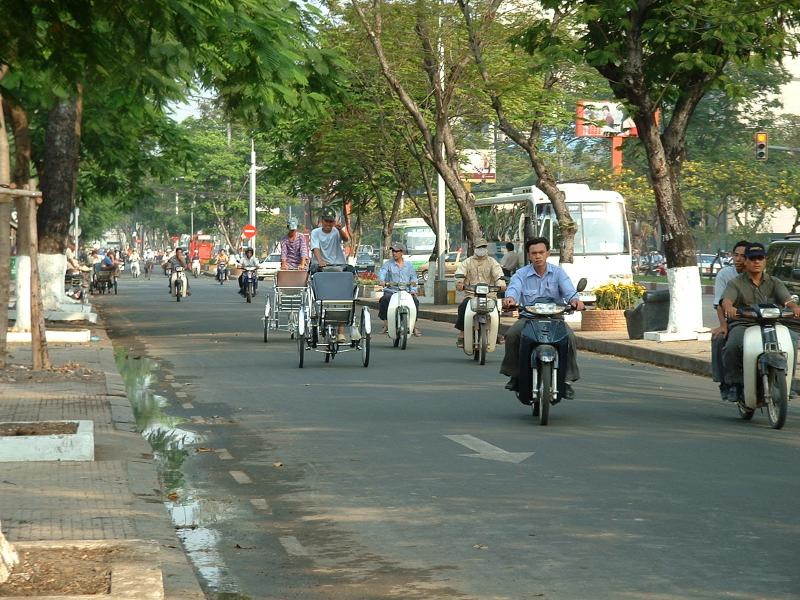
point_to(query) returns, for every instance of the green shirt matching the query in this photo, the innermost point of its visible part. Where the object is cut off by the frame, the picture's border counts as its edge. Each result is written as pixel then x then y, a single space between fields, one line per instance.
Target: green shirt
pixel 743 292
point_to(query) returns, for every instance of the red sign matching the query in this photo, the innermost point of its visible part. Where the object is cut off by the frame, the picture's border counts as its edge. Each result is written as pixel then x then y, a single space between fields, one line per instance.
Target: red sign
pixel 249 231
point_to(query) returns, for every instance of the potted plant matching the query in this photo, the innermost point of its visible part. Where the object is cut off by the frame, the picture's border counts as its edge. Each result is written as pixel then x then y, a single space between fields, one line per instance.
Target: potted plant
pixel 368 285
pixel 612 300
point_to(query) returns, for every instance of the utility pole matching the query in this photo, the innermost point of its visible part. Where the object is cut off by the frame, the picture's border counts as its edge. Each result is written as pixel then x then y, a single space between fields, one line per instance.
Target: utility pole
pixel 440 284
pixel 252 210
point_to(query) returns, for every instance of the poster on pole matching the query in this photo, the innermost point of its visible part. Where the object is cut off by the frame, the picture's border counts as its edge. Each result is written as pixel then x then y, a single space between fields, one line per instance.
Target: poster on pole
pixel 479 166
pixel 601 118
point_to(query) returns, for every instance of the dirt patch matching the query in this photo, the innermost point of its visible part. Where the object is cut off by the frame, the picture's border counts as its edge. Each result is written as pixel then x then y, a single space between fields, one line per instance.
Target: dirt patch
pixel 41 428
pixel 71 371
pixel 61 572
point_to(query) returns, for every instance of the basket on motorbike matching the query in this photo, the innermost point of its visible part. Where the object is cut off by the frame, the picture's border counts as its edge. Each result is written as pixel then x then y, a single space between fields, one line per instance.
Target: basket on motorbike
pixel 334 296
pixel 284 302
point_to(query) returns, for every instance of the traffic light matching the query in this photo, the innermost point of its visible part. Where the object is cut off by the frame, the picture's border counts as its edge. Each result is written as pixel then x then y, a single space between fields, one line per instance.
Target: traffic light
pixel 762 140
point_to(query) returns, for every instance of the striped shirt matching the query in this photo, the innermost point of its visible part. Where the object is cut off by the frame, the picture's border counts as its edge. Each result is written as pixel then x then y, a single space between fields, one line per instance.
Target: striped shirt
pixel 293 251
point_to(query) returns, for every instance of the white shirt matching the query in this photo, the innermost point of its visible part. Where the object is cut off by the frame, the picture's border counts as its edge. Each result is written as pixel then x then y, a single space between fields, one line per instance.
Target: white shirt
pixel 721 281
pixel 330 246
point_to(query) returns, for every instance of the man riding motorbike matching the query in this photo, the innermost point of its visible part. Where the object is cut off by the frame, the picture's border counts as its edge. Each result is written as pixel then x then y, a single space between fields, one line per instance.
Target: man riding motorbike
pixel 396 270
pixel 538 279
pixel 478 268
pixel 719 335
pixel 248 260
pixel 753 286
pixel 177 260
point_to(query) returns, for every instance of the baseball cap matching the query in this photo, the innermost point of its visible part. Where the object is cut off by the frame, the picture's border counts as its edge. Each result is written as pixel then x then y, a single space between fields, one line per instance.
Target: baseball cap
pixel 328 214
pixel 398 246
pixel 481 243
pixel 755 250
pixel 291 223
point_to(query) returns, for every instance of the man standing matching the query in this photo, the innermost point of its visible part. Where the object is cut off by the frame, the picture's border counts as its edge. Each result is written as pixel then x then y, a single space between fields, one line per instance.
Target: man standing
pixel 478 268
pixel 511 261
pixel 720 334
pixel 396 270
pixel 753 286
pixel 326 242
pixel 294 248
pixel 538 279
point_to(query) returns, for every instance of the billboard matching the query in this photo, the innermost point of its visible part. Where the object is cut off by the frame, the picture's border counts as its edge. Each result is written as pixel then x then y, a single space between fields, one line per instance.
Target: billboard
pixel 603 119
pixel 479 166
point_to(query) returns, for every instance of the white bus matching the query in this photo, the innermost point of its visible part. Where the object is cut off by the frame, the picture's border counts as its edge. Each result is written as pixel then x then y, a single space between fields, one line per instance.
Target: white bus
pixel 602 239
pixel 419 239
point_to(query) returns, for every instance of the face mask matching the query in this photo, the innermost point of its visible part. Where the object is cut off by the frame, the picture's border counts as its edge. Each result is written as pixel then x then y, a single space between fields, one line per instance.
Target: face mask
pixel 481 252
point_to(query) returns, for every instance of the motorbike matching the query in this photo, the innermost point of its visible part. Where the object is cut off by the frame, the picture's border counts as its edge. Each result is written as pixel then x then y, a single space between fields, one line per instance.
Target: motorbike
pixel 543 354
pixel 196 268
pixel 222 273
pixel 401 314
pixel 250 282
pixel 482 318
pixel 768 361
pixel 178 284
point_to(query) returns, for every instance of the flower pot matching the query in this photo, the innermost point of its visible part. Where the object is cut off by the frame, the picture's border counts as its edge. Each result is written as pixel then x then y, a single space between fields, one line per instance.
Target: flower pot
pixel 603 320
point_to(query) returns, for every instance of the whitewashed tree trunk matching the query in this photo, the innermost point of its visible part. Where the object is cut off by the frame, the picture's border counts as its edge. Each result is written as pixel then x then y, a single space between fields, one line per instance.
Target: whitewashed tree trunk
pixel 51 271
pixel 23 291
pixel 685 301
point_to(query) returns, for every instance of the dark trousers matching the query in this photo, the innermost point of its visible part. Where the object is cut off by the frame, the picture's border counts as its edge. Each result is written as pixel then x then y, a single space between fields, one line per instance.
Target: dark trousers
pixel 462 309
pixel 510 364
pixel 383 304
pixel 717 368
pixel 733 358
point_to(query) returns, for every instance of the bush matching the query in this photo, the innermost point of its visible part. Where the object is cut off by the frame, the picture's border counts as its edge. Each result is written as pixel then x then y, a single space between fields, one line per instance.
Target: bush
pixel 618 296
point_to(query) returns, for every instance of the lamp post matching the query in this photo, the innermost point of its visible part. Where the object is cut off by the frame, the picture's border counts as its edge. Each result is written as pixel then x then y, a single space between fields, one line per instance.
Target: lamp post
pixel 440 283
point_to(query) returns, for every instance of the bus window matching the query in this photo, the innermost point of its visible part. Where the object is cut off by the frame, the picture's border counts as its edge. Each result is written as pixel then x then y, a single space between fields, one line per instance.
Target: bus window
pixel 544 223
pixel 603 228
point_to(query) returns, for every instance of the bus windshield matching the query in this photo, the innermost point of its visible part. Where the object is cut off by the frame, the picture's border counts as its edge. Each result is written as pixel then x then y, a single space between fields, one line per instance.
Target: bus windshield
pixel 600 227
pixel 420 242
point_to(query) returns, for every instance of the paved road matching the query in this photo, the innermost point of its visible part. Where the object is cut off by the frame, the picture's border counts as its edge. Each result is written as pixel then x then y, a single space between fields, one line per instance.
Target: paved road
pixel 343 482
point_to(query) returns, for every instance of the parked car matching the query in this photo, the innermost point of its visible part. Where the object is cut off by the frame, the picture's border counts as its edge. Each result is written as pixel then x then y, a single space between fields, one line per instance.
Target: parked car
pixel 709 264
pixel 365 262
pixel 269 266
pixel 451 262
pixel 783 262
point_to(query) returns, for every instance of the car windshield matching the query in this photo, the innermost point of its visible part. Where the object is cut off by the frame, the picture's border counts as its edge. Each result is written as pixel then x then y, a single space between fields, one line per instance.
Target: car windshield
pixel 273 258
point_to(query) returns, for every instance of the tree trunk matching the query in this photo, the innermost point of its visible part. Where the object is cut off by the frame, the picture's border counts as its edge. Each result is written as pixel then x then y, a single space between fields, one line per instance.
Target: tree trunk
pixel 41 357
pixel 61 158
pixel 5 236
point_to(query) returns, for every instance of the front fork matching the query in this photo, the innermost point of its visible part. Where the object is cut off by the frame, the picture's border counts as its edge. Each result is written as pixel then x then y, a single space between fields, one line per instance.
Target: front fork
pixel 544 354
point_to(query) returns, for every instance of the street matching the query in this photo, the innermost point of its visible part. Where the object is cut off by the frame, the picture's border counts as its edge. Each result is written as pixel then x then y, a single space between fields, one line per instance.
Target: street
pixel 421 477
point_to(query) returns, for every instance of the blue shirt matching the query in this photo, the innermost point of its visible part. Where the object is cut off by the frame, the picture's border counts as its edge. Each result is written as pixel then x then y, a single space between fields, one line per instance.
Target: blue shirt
pixel 391 271
pixel 526 285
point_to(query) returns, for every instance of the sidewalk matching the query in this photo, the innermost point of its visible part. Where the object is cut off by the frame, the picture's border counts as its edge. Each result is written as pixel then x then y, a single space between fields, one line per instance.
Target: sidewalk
pixel 691 356
pixel 116 496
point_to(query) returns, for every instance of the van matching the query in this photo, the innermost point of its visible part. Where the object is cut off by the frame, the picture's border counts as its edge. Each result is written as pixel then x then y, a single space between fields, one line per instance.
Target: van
pixel 783 262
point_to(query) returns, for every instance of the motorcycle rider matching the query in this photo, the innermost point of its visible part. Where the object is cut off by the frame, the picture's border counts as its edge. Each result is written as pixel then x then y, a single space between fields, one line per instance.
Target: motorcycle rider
pixel 294 248
pixel 753 286
pixel 222 262
pixel 719 335
pixel 478 268
pixel 248 260
pixel 177 260
pixel 396 270
pixel 538 279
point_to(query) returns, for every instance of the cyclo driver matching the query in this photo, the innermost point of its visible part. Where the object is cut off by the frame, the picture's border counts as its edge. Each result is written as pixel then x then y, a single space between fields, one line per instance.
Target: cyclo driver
pixel 753 286
pixel 538 279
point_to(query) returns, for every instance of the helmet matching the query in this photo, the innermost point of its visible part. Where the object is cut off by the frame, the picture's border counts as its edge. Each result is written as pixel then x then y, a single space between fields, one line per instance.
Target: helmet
pixel 328 214
pixel 250 250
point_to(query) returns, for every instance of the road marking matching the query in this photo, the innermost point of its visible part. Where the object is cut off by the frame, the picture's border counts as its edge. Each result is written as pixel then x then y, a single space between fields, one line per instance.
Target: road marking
pixel 240 477
pixel 486 451
pixel 187 405
pixel 261 504
pixel 224 454
pixel 293 546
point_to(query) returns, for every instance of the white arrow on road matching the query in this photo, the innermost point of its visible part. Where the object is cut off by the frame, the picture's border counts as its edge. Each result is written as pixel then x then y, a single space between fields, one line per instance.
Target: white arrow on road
pixel 487 451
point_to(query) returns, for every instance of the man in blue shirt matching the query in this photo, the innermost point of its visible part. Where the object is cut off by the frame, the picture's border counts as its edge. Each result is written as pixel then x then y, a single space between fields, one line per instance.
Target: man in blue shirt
pixel 396 270
pixel 538 279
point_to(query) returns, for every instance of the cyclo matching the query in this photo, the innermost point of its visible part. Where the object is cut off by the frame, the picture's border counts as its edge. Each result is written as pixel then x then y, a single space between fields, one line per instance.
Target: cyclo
pixel 330 302
pixel 282 307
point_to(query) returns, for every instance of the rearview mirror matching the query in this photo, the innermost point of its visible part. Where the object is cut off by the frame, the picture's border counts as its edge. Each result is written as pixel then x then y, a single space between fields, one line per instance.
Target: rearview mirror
pixel 581 284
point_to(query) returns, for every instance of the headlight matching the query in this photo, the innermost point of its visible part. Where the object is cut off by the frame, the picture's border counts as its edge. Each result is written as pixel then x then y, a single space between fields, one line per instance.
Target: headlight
pixel 544 308
pixel 770 313
pixel 481 289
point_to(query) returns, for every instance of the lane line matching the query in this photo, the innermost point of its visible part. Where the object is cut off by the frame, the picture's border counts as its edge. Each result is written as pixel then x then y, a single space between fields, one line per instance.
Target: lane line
pixel 293 546
pixel 240 477
pixel 487 451
pixel 261 504
pixel 224 454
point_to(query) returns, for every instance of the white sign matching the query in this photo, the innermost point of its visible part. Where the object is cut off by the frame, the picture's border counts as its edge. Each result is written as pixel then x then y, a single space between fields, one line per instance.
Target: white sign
pixel 479 166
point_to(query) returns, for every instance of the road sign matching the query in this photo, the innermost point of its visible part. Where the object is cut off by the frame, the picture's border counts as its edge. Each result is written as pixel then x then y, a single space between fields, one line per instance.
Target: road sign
pixel 249 231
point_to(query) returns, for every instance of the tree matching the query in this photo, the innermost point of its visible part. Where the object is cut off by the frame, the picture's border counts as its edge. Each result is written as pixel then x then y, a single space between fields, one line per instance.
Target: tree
pixel 666 55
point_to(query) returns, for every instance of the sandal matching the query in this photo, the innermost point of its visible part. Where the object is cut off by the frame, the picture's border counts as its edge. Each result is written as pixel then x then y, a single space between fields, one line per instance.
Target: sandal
pixel 460 342
pixel 417 333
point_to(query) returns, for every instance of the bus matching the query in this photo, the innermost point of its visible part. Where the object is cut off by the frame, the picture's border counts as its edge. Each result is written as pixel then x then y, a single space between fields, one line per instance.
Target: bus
pixel 602 251
pixel 419 239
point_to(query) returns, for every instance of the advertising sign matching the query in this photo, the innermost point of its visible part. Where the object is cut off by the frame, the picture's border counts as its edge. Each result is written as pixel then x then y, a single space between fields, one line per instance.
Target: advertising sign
pixel 479 166
pixel 603 119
